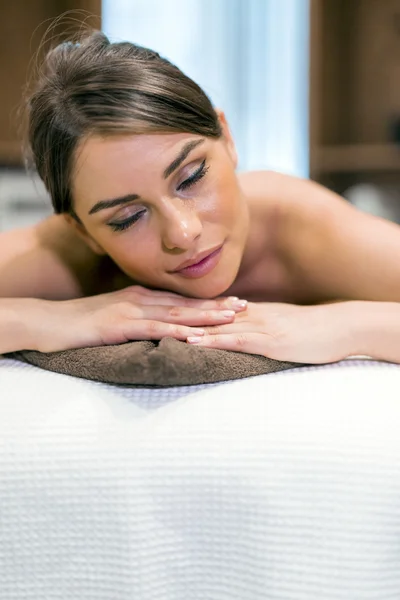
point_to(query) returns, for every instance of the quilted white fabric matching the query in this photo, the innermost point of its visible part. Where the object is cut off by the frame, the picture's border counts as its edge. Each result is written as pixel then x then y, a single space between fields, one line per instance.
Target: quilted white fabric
pixel 278 487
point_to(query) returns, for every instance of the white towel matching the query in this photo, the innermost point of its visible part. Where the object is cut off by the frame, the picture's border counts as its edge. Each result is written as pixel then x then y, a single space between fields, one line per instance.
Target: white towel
pixel 279 487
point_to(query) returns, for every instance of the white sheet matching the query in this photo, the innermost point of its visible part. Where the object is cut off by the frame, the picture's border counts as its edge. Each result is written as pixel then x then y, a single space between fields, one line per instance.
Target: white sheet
pixel 279 487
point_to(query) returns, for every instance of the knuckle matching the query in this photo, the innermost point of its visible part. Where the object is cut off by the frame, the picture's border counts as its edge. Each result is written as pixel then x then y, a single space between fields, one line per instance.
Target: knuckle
pixel 131 294
pixel 137 288
pixel 241 340
pixel 215 330
pixel 186 301
pixel 153 327
pixel 222 302
pixel 176 331
pixel 175 311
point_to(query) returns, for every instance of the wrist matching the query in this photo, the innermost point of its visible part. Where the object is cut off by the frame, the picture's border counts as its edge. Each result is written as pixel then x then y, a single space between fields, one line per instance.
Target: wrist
pixel 375 328
pixel 20 322
pixel 343 321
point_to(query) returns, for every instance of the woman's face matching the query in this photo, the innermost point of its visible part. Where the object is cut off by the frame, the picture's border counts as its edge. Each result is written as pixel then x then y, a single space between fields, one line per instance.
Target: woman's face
pixel 155 202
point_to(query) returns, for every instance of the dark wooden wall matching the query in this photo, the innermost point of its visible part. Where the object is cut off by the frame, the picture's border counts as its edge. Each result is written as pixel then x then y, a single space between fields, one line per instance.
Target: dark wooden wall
pixel 23 24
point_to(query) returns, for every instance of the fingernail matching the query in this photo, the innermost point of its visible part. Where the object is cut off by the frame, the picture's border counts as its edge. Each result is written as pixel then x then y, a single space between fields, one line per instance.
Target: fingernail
pixel 198 331
pixel 240 303
pixel 228 314
pixel 232 299
pixel 193 340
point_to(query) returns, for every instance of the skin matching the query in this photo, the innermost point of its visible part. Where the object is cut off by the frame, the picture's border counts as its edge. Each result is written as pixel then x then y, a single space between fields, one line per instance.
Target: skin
pixel 320 277
pixel 289 244
pixel 176 224
pixel 285 239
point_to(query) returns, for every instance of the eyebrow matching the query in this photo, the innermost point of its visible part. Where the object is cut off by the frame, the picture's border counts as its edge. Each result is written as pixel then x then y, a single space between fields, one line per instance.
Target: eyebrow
pixel 103 204
pixel 183 154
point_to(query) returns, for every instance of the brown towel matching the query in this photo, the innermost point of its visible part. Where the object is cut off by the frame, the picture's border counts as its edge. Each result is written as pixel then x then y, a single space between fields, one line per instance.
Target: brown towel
pixel 166 363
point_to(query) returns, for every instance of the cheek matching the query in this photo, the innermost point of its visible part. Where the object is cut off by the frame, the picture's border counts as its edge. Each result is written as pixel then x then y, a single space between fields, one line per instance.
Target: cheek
pixel 230 204
pixel 223 197
pixel 135 253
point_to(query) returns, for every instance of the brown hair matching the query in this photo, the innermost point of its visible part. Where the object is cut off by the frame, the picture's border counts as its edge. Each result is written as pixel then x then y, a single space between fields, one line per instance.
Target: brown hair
pixel 99 87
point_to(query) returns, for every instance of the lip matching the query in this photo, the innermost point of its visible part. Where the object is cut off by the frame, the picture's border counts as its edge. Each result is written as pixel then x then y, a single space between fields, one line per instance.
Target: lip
pixel 202 264
pixel 196 259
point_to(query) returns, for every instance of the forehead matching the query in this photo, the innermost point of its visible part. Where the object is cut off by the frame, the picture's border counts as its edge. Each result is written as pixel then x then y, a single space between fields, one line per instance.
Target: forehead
pixel 98 152
pixel 101 161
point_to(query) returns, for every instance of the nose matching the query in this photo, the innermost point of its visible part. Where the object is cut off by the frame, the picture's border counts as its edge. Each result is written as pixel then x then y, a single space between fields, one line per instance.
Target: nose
pixel 181 225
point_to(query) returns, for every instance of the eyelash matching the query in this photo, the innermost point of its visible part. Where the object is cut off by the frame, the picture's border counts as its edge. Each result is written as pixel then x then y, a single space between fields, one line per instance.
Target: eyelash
pixel 125 224
pixel 197 175
pixel 189 182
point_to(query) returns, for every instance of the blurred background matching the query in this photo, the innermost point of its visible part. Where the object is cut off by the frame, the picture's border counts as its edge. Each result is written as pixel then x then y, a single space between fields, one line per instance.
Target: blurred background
pixel 309 87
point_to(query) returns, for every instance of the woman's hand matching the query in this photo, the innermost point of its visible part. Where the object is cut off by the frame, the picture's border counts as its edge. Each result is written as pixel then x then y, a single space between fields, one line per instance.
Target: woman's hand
pixel 134 313
pixel 304 334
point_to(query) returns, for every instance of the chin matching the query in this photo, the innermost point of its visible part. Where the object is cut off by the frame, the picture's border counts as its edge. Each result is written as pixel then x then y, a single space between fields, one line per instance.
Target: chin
pixel 208 287
pixel 214 284
pixel 206 292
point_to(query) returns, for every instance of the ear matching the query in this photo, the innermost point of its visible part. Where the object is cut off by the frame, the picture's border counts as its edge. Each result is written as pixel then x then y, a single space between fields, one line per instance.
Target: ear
pixel 83 234
pixel 227 135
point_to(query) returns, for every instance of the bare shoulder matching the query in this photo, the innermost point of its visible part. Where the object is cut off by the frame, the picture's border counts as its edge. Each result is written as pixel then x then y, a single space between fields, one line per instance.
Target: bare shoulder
pixel 264 182
pixel 261 185
pixel 94 274
pixel 299 205
pixel 273 196
pixel 262 190
pixel 55 232
pixel 290 195
pixel 50 261
pixel 331 249
pixel 304 220
pixel 274 201
pixel 55 235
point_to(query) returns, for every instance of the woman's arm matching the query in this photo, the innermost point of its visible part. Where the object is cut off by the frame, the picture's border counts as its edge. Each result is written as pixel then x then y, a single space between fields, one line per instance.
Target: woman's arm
pixel 311 334
pixel 15 328
pixel 376 327
pixel 134 313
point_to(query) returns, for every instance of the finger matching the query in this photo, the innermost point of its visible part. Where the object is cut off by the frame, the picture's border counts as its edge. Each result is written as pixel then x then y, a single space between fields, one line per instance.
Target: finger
pixel 185 315
pixel 156 330
pixel 145 296
pixel 233 327
pixel 252 343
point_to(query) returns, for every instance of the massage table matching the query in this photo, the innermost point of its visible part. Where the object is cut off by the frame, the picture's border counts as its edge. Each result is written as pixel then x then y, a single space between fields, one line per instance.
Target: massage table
pixel 283 486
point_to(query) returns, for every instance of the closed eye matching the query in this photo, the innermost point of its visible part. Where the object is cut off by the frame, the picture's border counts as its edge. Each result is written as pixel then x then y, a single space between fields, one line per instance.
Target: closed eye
pixel 187 183
pixel 122 225
pixel 194 178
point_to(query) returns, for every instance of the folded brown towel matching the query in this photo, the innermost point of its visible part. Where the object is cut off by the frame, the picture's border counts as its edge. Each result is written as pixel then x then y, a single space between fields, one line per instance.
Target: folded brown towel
pixel 165 363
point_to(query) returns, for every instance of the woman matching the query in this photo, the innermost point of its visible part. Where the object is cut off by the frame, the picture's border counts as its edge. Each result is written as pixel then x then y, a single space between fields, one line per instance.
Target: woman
pixel 155 233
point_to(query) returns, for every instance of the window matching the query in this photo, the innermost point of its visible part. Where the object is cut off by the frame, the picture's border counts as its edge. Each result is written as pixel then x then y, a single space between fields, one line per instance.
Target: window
pixel 249 56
